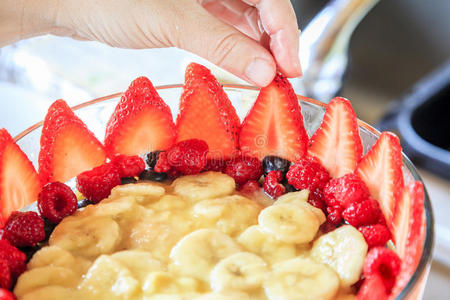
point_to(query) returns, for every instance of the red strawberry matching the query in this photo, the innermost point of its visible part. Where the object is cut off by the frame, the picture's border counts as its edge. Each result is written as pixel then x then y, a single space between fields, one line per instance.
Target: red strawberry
pixel 381 170
pixel 274 125
pixel 67 146
pixel 410 233
pixel 19 182
pixel 337 144
pixel 140 123
pixel 372 289
pixel 207 114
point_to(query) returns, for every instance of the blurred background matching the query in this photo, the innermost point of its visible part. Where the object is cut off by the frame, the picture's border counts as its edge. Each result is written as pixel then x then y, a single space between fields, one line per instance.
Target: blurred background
pixel 399 51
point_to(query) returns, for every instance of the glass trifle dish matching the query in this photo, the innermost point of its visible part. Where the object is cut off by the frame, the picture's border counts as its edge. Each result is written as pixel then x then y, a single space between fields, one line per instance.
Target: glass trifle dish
pixel 204 191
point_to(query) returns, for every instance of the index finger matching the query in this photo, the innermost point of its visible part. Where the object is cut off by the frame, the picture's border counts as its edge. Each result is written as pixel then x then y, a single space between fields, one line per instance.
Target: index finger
pixel 279 21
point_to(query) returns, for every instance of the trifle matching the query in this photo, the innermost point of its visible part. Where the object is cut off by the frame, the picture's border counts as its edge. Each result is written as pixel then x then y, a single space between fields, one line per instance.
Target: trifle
pixel 207 207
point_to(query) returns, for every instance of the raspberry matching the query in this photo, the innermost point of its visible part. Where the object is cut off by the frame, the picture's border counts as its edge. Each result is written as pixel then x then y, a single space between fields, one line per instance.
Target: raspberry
pixel 56 201
pixel 96 184
pixel 216 165
pixel 152 158
pixel 15 258
pixel 5 275
pixel 363 213
pixel 244 168
pixel 383 262
pixel 272 184
pixel 334 214
pixel 372 288
pixel 375 235
pixel 188 157
pixel 24 229
pixel 6 295
pixel 250 187
pixel 316 199
pixel 309 174
pixel 162 164
pixel 345 190
pixel 128 166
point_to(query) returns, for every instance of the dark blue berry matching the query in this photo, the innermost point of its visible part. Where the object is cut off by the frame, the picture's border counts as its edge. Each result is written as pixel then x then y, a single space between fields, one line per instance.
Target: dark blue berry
pixel 274 163
pixel 152 158
pixel 126 180
pixel 152 175
pixel 83 203
pixel 48 228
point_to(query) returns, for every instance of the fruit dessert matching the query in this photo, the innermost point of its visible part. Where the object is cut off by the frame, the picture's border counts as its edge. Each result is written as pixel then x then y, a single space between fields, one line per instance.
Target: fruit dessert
pixel 207 207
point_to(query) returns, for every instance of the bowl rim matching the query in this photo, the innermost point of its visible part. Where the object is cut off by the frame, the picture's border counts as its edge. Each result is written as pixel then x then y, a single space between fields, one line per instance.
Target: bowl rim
pixel 428 245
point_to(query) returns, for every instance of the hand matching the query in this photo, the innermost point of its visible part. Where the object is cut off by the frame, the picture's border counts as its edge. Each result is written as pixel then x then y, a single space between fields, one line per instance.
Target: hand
pixel 250 38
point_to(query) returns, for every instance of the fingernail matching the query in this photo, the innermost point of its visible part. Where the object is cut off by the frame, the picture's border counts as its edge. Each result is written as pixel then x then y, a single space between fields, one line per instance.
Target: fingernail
pixel 259 71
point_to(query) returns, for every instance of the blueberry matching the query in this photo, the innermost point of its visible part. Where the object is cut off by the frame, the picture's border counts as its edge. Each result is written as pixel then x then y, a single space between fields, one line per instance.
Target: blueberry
pixel 152 158
pixel 83 203
pixel 274 163
pixel 289 188
pixel 126 180
pixel 30 251
pixel 152 175
pixel 48 228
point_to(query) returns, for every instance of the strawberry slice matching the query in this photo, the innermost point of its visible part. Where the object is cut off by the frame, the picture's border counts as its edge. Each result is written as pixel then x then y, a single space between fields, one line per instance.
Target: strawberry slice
pixel 67 146
pixel 274 125
pixel 140 123
pixel 336 143
pixel 409 229
pixel 19 182
pixel 207 114
pixel 381 170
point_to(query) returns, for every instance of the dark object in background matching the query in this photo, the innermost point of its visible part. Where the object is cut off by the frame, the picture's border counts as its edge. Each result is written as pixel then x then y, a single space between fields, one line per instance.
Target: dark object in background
pixel 422 120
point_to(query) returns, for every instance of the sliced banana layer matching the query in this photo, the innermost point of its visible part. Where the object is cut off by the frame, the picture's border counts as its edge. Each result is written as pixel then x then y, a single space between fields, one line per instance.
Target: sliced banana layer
pixel 53 292
pixel 289 223
pixel 139 263
pixel 198 252
pixel 225 296
pixel 88 236
pixel 206 185
pixel 143 192
pixel 242 271
pixel 301 198
pixel 108 279
pixel 41 277
pixel 167 203
pixel 230 214
pixel 255 240
pixel 301 278
pixel 166 283
pixel 344 250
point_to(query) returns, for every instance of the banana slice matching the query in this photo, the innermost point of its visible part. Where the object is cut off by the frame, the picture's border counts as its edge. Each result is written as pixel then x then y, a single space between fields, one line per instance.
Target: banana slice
pixel 225 296
pixel 289 223
pixel 108 279
pixel 198 252
pixel 204 186
pixel 110 207
pixel 88 236
pixel 186 296
pixel 56 257
pixel 242 271
pixel 271 250
pixel 230 214
pixel 301 278
pixel 168 202
pixel 41 277
pixel 344 250
pixel 301 198
pixel 143 192
pixel 140 263
pixel 166 283
pixel 53 293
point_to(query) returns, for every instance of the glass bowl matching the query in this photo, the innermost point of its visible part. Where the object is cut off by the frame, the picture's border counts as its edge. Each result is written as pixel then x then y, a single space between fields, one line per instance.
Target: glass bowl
pixel 96 113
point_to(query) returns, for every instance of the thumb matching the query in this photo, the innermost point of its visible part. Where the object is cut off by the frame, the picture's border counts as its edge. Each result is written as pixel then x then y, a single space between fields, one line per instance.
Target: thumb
pixel 225 46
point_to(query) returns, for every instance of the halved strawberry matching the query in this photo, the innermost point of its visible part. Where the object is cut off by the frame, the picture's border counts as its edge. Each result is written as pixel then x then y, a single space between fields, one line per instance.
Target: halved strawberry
pixel 336 143
pixel 67 146
pixel 274 125
pixel 409 228
pixel 207 114
pixel 381 170
pixel 140 123
pixel 19 182
pixel 372 289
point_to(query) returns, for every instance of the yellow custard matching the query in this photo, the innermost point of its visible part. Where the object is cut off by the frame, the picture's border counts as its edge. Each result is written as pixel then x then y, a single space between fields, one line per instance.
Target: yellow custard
pixel 196 238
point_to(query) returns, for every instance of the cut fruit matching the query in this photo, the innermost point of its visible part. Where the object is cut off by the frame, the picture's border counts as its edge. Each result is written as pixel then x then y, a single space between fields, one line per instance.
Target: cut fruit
pixel 140 123
pixel 274 125
pixel 337 144
pixel 381 170
pixel 67 146
pixel 19 182
pixel 207 114
pixel 409 228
